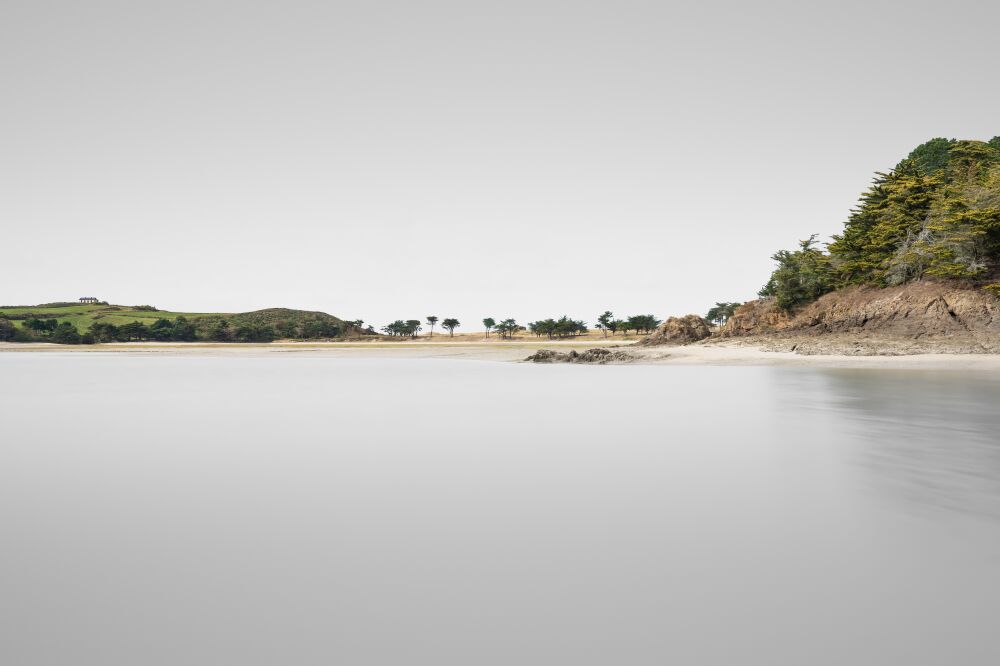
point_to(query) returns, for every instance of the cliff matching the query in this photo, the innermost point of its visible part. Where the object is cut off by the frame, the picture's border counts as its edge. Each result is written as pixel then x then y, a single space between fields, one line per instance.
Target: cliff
pixel 918 317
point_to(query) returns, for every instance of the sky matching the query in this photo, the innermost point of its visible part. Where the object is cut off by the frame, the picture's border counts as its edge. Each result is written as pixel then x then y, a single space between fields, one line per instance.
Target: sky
pixel 391 160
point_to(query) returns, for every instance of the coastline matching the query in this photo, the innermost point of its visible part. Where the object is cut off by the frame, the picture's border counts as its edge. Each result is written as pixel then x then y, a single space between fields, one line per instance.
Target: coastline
pixel 714 353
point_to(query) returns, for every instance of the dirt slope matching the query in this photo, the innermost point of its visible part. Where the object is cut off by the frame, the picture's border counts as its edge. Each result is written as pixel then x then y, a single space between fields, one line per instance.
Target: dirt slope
pixel 919 317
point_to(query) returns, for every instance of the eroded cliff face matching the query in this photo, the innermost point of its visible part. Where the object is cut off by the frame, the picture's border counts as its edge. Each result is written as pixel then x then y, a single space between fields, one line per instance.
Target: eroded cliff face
pixel 679 331
pixel 918 317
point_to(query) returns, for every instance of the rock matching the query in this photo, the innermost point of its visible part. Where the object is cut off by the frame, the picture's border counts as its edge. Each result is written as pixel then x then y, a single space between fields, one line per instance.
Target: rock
pixel 596 356
pixel 919 317
pixel 679 331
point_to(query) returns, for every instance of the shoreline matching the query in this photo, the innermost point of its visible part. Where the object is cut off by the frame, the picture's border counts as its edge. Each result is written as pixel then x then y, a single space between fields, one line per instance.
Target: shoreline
pixel 711 354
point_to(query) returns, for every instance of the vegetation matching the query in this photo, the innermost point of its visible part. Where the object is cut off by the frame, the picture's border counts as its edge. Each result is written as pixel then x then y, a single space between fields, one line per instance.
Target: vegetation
pixel 935 215
pixel 802 276
pixel 7 330
pixel 606 322
pixel 72 323
pixel 721 313
pixel 489 324
pixel 507 328
pixel 400 328
pixel 563 327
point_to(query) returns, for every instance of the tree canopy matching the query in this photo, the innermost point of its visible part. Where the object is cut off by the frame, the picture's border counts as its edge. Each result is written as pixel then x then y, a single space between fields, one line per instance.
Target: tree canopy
pixel 935 215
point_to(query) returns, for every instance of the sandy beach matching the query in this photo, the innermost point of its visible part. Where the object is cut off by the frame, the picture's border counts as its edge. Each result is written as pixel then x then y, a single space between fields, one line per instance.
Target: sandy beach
pixel 715 353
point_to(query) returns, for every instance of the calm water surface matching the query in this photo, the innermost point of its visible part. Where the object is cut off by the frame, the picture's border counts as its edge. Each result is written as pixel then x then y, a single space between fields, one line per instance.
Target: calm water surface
pixel 290 510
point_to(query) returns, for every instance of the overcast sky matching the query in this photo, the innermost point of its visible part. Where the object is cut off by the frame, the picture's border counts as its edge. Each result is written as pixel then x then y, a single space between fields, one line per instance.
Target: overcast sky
pixel 383 160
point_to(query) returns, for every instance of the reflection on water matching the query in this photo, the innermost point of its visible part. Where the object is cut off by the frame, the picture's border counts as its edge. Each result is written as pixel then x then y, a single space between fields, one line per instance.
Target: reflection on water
pixel 312 511
pixel 931 438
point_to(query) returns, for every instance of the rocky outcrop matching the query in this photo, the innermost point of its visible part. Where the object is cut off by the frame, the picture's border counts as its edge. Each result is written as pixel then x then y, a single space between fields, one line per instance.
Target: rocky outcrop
pixel 597 356
pixel 917 317
pixel 678 331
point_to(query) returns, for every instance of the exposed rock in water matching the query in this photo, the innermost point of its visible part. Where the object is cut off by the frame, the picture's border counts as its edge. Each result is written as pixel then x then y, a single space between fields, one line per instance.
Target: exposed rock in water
pixel 919 317
pixel 679 331
pixel 598 356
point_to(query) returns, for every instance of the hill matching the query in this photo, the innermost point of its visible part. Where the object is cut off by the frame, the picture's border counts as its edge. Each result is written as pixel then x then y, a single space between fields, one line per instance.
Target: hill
pixel 101 322
pixel 916 268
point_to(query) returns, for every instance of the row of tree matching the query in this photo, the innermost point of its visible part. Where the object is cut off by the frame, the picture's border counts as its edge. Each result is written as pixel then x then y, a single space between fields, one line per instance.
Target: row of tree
pixel 215 329
pixel 179 329
pixel 411 327
pixel 638 323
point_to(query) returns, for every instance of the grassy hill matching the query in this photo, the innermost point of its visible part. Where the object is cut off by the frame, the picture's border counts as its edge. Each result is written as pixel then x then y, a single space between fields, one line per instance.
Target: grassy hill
pixel 106 323
pixel 82 316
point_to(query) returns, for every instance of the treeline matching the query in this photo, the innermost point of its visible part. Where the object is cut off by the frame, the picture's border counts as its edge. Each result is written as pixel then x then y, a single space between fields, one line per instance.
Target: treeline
pixel 935 215
pixel 266 326
pixel 411 327
pixel 638 323
pixel 180 329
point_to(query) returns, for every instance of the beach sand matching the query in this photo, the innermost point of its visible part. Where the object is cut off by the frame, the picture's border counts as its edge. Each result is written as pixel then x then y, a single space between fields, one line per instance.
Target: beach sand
pixel 714 353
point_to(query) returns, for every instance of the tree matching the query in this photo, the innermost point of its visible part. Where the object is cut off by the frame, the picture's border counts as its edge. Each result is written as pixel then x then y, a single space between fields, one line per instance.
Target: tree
pixel 450 325
pixel 721 313
pixel 431 321
pixel 604 322
pixel 42 326
pixel 413 327
pixel 488 324
pixel 253 332
pixel 801 276
pixel 101 331
pixel 931 157
pixel 65 333
pixel 936 214
pixel 219 332
pixel 508 327
pixel 7 329
pixel 183 330
pixel 135 330
pixel 318 327
pixel 162 330
pixel 642 323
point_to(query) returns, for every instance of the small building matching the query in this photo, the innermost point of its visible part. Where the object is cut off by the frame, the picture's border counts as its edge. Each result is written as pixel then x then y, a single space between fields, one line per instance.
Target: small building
pixel 89 300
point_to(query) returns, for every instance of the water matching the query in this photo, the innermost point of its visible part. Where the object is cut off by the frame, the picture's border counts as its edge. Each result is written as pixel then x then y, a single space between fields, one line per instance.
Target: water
pixel 289 510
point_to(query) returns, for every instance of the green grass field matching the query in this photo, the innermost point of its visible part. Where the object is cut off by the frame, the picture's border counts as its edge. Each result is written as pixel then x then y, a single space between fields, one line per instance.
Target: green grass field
pixel 82 316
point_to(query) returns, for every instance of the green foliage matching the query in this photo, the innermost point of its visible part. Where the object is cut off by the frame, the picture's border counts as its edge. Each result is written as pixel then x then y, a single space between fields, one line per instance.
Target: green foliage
pixel 606 322
pixel 489 323
pixel 802 276
pixel 563 327
pixel 134 331
pixel 400 328
pixel 646 323
pixel 930 157
pixel 42 326
pixel 508 327
pixel 937 214
pixel 431 321
pixel 7 330
pixel 892 210
pixel 66 334
pixel 721 313
pixel 450 325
